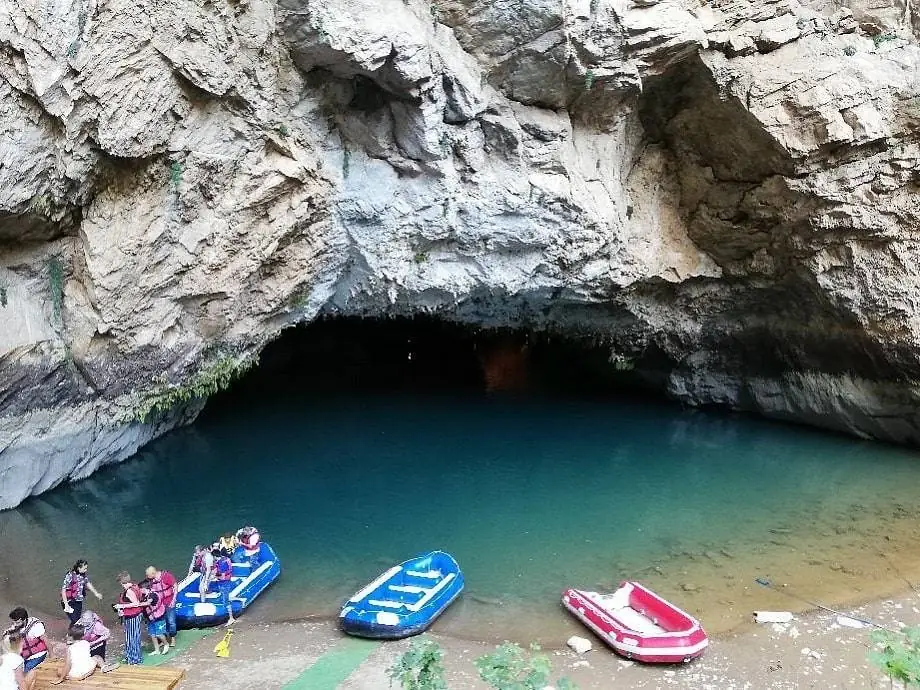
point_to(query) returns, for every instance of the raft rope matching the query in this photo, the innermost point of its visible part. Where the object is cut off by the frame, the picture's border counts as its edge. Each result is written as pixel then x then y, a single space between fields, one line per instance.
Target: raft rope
pixel 766 583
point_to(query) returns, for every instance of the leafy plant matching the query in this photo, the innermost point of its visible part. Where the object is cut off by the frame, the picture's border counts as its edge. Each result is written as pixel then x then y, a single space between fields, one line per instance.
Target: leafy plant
pixel 175 172
pixel 897 654
pixel 420 668
pixel 283 130
pixel 511 668
pixel 878 39
pixel 40 205
pixel 850 51
pixel 421 257
pixel 56 282
pixel 3 296
pixel 622 363
pixel 210 380
pixel 589 80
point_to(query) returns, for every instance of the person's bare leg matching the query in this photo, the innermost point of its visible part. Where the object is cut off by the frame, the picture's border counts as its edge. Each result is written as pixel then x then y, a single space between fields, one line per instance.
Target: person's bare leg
pixel 104 667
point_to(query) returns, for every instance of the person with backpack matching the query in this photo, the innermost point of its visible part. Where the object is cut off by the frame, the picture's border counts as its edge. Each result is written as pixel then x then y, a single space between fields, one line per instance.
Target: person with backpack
pixel 202 563
pixel 34 646
pixel 74 588
pixel 130 606
pixel 155 612
pixel 164 584
pixel 223 574
pixel 95 632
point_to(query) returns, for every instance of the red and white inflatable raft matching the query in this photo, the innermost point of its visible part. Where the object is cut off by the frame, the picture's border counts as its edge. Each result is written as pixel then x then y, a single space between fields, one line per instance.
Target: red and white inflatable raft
pixel 639 624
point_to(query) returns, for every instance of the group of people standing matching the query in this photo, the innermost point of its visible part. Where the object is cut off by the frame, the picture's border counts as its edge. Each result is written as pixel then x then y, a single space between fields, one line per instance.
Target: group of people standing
pixel 24 643
pixel 153 600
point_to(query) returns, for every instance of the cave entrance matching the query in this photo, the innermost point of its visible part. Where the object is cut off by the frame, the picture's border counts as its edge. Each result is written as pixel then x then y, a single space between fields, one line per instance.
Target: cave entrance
pixel 426 355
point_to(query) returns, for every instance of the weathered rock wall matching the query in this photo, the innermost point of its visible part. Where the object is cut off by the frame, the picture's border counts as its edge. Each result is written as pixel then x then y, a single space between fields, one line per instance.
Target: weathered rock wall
pixel 723 192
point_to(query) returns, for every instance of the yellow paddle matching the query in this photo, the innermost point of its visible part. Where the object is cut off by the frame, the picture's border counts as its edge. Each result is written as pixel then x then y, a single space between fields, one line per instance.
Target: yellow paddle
pixel 222 648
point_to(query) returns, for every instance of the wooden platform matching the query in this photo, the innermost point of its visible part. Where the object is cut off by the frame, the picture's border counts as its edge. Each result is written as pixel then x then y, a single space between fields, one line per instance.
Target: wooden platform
pixel 125 677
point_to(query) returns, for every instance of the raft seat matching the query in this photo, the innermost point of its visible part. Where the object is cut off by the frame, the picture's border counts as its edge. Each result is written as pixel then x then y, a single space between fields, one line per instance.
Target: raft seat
pixel 124 678
pixel 429 594
pixel 408 589
pixel 427 574
pixel 386 603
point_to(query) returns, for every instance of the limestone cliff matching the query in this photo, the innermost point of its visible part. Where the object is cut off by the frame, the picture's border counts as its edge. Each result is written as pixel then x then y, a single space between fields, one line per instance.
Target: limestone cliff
pixel 723 192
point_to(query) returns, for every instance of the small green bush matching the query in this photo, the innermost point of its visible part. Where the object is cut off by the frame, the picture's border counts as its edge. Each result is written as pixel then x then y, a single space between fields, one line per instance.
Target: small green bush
pixel 589 80
pixel 175 172
pixel 850 51
pixel 283 130
pixel 878 39
pixel 897 654
pixel 511 668
pixel 420 668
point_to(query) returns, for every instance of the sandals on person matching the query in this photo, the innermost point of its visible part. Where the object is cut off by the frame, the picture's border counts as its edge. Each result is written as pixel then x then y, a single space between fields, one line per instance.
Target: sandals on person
pixel 106 668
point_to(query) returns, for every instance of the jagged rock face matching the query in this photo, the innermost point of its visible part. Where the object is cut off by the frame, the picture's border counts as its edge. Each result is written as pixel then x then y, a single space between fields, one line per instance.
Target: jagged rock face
pixel 723 193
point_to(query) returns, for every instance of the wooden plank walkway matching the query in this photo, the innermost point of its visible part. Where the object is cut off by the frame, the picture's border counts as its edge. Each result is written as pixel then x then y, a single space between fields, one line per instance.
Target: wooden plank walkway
pixel 124 678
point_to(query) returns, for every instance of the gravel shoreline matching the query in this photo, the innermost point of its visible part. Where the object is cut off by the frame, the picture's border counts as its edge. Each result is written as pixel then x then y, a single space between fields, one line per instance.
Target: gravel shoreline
pixel 813 651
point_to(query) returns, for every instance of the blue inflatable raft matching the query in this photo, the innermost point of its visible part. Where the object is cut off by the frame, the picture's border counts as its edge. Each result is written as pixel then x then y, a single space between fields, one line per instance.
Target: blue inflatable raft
pixel 250 579
pixel 406 599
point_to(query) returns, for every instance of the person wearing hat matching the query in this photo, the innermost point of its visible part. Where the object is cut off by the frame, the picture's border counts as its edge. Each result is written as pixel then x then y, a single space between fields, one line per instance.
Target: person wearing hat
pixel 95 632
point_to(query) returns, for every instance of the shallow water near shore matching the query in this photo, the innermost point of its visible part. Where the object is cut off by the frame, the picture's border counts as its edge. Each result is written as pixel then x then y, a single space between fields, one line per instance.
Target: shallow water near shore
pixel 530 495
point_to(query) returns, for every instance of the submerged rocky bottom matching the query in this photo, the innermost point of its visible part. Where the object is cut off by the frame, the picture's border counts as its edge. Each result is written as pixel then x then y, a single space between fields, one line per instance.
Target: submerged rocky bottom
pixel 530 495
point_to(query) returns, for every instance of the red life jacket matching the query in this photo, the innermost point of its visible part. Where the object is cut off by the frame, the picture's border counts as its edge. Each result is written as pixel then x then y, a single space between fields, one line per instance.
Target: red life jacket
pixel 157 608
pixel 72 591
pixel 91 633
pixel 224 568
pixel 169 587
pixel 31 646
pixel 131 611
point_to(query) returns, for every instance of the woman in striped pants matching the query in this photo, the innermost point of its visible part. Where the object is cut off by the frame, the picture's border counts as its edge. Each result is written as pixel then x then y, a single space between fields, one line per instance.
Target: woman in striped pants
pixel 130 606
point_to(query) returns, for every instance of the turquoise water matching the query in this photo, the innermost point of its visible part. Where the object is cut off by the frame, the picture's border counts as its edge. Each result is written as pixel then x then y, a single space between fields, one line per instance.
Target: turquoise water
pixel 530 495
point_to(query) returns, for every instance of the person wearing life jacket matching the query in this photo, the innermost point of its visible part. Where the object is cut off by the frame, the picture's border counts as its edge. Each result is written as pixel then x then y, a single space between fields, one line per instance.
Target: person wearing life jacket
pixel 34 646
pixel 79 663
pixel 130 606
pixel 223 575
pixel 164 584
pixel 155 612
pixel 95 632
pixel 227 544
pixel 203 563
pixel 250 541
pixel 73 589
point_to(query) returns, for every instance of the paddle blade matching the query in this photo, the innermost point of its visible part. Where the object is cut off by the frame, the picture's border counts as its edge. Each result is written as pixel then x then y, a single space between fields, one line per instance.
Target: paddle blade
pixel 762 581
pixel 222 648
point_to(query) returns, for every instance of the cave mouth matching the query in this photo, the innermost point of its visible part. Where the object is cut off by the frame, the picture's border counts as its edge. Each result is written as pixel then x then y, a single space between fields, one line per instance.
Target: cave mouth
pixel 348 355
